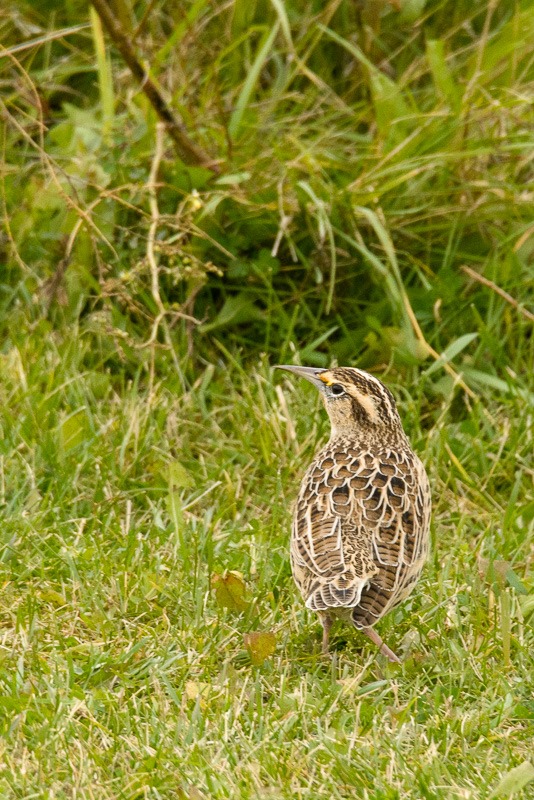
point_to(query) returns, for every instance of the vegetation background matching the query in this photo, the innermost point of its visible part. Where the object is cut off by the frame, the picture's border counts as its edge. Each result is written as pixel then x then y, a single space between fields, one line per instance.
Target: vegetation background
pixel 353 184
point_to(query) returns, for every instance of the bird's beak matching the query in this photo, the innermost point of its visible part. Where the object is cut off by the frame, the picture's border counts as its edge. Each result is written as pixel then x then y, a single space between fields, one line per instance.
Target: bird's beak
pixel 310 373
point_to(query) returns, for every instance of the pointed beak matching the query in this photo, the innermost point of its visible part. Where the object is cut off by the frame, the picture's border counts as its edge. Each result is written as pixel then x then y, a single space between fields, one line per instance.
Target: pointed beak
pixel 310 373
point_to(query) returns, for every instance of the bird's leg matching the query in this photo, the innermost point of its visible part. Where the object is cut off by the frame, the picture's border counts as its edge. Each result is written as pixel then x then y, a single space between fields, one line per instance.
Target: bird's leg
pixel 326 622
pixel 384 649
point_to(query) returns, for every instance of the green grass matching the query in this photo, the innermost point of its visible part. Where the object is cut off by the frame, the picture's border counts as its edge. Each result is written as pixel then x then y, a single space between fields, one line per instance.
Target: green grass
pixel 147 449
pixel 122 677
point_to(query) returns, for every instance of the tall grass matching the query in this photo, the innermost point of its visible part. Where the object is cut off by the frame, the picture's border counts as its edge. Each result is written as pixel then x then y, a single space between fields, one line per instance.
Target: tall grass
pixel 373 207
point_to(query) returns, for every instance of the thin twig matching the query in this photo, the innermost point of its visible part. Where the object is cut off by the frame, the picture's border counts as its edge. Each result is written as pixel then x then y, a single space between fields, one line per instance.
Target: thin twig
pixel 151 257
pixel 144 19
pixel 50 36
pixel 155 218
pixel 188 151
pixel 163 313
pixel 497 289
pixel 419 335
pixel 51 286
pixel 154 214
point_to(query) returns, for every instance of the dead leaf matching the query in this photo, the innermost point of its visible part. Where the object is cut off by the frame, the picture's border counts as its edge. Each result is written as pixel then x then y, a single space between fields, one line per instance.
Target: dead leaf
pixel 189 793
pixel 196 690
pixel 260 646
pixel 500 573
pixel 230 591
pixel 491 571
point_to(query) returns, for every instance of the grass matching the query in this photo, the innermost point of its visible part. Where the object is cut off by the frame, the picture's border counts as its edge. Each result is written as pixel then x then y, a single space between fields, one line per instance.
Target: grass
pixel 149 456
pixel 122 676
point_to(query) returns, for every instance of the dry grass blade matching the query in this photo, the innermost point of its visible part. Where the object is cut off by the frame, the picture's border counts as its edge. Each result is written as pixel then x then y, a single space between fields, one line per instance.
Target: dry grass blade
pixel 497 289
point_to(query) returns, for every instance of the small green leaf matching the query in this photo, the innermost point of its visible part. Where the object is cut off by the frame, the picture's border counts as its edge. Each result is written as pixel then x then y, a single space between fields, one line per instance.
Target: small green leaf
pixel 451 351
pixel 230 591
pixel 53 597
pixel 179 477
pixel 260 646
pixel 73 430
pixel 441 74
pixel 32 501
pixel 514 780
pixel 527 605
pixel 515 582
pixel 411 10
pixel 233 180
pixel 389 104
pixel 236 310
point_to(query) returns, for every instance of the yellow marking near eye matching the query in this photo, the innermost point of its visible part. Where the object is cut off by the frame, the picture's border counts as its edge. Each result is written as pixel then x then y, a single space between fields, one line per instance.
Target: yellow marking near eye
pixel 325 379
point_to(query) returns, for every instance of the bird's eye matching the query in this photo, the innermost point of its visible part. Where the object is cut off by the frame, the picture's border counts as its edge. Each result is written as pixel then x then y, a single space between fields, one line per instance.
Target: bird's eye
pixel 337 389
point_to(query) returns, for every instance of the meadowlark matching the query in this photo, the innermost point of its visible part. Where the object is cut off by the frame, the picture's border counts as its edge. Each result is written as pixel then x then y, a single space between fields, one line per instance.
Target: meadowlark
pixel 360 529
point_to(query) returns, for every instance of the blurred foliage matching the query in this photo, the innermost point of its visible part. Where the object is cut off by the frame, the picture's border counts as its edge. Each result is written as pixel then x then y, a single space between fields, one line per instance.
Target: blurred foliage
pixel 367 151
pixel 373 206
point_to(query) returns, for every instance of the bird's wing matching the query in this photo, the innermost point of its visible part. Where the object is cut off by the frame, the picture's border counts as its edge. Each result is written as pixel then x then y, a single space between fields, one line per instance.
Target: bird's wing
pixel 359 532
pixel 396 506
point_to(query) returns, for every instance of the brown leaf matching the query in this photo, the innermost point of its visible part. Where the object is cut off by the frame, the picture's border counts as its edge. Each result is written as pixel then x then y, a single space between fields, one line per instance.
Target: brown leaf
pixel 189 793
pixel 491 571
pixel 230 591
pixel 260 645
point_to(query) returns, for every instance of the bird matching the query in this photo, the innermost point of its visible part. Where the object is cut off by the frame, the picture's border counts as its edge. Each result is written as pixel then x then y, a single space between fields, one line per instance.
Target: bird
pixel 360 531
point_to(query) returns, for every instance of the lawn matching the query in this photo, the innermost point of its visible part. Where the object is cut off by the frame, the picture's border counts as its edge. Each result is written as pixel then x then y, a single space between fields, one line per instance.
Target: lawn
pixel 371 205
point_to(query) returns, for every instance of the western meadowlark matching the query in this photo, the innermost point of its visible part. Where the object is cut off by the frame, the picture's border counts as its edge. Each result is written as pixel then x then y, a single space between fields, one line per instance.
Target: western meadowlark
pixel 361 523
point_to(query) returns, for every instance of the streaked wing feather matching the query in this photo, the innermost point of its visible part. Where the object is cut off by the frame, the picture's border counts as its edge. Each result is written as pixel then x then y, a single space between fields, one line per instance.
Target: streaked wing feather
pixel 359 532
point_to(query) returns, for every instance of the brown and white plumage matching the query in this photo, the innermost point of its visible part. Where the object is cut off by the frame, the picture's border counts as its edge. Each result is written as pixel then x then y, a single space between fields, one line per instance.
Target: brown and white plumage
pixel 361 522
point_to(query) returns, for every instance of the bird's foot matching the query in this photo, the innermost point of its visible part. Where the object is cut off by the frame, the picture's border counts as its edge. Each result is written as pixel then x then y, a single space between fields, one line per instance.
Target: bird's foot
pixel 326 622
pixel 384 649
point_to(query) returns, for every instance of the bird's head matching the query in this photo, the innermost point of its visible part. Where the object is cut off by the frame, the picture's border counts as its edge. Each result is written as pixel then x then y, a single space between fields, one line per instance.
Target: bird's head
pixel 355 401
